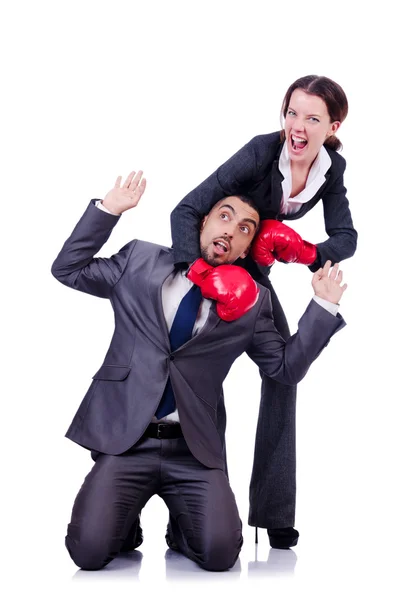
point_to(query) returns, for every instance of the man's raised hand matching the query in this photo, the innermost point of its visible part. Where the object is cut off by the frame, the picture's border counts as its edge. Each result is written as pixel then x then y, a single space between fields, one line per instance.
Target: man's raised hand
pixel 327 282
pixel 121 198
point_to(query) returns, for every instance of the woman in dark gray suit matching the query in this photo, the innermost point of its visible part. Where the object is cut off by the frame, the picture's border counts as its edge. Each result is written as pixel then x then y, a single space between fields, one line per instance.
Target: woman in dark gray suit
pixel 285 173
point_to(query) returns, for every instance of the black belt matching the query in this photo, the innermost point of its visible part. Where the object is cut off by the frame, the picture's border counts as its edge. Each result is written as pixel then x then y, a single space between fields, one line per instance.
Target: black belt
pixel 163 431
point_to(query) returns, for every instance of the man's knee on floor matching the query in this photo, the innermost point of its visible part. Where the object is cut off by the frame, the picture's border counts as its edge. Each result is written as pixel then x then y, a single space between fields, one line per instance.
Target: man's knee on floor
pixel 88 552
pixel 221 552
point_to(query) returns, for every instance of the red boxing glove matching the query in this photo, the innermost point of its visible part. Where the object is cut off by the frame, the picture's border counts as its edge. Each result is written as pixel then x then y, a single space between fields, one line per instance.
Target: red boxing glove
pixel 232 287
pixel 276 240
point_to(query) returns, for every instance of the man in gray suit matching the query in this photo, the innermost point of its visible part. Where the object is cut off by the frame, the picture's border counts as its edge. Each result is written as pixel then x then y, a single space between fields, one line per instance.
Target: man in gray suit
pixel 151 415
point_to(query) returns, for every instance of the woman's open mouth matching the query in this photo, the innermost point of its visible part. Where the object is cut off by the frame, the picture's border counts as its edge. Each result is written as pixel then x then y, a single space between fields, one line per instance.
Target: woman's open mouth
pixel 298 143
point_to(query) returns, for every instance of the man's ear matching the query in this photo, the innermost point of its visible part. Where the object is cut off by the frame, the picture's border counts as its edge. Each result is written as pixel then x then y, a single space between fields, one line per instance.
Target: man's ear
pixel 203 222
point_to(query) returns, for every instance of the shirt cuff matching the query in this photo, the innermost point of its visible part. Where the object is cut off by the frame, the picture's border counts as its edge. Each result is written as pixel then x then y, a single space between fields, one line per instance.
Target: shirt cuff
pixel 99 204
pixel 329 306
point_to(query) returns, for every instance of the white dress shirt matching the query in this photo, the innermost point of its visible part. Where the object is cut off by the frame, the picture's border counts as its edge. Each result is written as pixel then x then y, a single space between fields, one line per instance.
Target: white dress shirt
pixel 174 289
pixel 314 181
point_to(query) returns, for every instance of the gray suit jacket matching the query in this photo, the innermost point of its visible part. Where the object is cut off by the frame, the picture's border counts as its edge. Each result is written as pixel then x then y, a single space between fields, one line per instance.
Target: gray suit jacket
pixel 127 389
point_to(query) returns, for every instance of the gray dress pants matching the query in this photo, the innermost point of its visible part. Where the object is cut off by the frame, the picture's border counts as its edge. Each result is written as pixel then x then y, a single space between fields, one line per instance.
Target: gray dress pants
pixel 113 494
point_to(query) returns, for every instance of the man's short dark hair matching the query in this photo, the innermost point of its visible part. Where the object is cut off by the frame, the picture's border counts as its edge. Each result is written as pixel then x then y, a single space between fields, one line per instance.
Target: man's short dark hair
pixel 251 203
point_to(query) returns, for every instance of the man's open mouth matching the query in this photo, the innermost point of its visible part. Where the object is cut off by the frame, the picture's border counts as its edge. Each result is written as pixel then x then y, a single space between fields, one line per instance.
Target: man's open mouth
pixel 221 246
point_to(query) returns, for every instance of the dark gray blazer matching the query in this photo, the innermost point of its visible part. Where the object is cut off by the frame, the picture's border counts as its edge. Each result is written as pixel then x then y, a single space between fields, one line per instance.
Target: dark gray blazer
pixel 127 388
pixel 254 171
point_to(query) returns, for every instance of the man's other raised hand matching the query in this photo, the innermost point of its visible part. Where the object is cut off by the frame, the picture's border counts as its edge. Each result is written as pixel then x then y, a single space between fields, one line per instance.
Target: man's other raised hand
pixel 327 283
pixel 126 196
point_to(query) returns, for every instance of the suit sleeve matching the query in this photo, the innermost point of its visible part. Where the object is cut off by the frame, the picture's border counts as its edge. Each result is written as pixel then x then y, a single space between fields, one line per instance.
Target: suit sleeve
pixel 75 265
pixel 342 241
pixel 227 180
pixel 288 361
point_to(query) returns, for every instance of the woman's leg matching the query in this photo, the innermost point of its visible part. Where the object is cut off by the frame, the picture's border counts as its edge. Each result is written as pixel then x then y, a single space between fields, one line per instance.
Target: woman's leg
pixel 273 480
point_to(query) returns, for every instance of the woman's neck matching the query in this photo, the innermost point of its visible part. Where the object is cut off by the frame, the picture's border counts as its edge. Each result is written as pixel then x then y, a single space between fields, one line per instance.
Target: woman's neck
pixel 301 170
pixel 299 175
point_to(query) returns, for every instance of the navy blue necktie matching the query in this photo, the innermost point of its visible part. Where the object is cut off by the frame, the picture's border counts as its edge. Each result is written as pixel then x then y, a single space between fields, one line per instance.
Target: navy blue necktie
pixel 180 333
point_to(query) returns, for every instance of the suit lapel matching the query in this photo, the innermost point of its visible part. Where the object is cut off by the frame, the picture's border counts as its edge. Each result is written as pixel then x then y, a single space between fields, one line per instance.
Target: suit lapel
pixel 163 267
pixel 310 204
pixel 327 176
pixel 276 188
pixel 211 322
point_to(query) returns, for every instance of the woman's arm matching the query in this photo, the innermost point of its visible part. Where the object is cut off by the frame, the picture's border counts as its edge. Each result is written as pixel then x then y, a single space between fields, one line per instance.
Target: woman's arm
pixel 342 241
pixel 227 180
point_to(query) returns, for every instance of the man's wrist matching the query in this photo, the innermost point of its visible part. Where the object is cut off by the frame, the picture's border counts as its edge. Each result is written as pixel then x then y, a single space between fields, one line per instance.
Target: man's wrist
pixel 331 307
pixel 110 209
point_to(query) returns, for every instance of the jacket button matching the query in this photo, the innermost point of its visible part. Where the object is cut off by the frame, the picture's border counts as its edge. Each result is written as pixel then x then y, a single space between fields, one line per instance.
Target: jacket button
pixel 172 357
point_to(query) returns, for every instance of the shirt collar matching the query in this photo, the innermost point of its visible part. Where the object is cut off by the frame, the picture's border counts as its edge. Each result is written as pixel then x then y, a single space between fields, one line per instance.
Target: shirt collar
pixel 315 179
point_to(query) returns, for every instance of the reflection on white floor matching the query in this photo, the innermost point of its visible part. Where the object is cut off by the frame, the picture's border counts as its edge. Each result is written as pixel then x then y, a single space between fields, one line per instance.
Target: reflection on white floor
pixel 154 556
pixel 177 566
pixel 350 558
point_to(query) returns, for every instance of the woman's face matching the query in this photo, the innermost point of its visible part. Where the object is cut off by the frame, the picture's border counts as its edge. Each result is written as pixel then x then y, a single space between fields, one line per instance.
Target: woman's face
pixel 307 125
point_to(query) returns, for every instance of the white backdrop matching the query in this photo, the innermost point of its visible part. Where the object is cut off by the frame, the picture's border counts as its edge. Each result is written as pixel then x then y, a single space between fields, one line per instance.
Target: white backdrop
pixel 92 90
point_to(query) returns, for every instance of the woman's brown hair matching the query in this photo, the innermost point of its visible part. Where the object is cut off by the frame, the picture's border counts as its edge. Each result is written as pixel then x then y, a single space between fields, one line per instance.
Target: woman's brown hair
pixel 330 92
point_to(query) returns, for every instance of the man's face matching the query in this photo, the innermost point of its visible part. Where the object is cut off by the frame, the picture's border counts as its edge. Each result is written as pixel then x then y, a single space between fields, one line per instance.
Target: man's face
pixel 227 231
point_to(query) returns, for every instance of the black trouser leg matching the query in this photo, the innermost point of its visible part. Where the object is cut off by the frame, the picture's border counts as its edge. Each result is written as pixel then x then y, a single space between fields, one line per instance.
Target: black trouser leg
pixel 273 480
